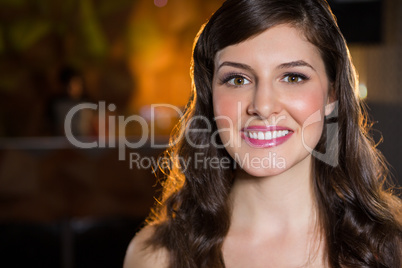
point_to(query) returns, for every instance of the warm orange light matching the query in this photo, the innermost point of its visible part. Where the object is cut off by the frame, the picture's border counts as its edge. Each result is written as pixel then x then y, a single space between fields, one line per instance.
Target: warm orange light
pixel 160 49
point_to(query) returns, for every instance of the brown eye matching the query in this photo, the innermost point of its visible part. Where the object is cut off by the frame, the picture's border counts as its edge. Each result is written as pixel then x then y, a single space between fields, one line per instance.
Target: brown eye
pixel 294 78
pixel 238 81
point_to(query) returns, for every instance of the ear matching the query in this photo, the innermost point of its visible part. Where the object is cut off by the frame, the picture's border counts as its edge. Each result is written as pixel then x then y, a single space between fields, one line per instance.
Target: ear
pixel 329 108
pixel 331 100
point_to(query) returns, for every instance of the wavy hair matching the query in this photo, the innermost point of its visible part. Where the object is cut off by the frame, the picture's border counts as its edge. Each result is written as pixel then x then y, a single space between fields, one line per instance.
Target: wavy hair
pixel 358 216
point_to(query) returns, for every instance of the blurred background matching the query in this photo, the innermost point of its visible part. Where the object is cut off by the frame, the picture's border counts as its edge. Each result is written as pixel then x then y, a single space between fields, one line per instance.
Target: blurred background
pixel 62 206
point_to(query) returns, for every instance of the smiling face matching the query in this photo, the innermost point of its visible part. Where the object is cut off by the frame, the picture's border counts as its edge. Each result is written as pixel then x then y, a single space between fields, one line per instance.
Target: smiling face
pixel 265 92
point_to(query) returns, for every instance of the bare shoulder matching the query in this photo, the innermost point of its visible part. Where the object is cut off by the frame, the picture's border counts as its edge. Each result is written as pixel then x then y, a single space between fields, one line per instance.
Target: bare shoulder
pixel 140 256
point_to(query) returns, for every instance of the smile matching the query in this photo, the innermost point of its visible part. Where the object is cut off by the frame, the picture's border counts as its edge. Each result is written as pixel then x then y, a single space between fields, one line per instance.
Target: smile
pixel 265 137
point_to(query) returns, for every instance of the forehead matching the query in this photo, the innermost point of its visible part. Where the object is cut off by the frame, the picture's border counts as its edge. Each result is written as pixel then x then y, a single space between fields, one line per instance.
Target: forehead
pixel 281 43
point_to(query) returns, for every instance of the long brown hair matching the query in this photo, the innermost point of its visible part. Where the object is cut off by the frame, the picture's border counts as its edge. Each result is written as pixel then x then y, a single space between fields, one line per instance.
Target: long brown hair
pixel 356 214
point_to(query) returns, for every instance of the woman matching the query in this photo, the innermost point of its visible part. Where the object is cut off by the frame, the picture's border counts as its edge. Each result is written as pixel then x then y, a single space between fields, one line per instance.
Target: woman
pixel 275 93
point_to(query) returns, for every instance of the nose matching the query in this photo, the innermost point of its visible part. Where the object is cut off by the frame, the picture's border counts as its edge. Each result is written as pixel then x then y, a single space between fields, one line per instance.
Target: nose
pixel 265 101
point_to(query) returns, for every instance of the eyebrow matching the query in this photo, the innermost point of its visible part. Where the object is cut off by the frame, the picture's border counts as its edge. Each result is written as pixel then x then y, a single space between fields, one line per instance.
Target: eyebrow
pixel 298 63
pixel 236 65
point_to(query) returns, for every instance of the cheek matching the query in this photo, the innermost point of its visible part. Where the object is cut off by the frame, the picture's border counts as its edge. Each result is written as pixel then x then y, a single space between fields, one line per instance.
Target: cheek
pixel 225 109
pixel 308 112
pixel 305 107
pixel 310 99
pixel 226 116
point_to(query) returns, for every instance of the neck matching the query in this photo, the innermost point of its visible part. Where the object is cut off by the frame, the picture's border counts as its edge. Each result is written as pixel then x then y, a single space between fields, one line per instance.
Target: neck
pixel 285 201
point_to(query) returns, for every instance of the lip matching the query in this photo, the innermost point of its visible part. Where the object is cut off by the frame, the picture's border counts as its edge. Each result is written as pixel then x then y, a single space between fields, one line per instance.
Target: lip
pixel 265 143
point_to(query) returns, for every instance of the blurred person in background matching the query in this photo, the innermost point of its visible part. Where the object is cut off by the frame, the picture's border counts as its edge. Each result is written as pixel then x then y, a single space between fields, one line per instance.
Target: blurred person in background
pixel 73 93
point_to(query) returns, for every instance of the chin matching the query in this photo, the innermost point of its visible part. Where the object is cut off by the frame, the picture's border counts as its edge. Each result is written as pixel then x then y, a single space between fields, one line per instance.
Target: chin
pixel 262 172
pixel 261 165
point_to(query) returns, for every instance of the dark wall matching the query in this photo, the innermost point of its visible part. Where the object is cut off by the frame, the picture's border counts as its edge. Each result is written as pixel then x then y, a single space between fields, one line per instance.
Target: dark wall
pixel 387 120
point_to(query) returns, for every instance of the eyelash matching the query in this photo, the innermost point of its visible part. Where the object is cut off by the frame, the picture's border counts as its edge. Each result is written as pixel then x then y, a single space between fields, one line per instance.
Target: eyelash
pixel 230 76
pixel 298 75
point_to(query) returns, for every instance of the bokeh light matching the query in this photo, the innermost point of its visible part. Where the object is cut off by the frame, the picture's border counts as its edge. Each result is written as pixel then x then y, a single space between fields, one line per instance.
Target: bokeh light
pixel 362 91
pixel 160 3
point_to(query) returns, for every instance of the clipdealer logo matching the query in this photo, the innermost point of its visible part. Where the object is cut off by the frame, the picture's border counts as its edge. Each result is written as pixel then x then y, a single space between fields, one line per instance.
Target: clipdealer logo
pixel 113 140
pixel 148 136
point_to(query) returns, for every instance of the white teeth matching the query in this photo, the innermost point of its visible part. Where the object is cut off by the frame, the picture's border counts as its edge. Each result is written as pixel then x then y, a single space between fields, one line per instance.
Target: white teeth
pixel 268 135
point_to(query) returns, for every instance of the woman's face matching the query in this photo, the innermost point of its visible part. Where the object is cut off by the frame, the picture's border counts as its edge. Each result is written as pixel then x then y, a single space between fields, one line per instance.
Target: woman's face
pixel 269 98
